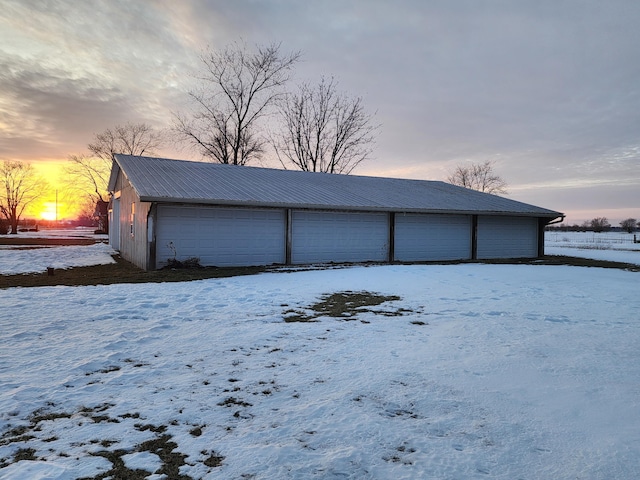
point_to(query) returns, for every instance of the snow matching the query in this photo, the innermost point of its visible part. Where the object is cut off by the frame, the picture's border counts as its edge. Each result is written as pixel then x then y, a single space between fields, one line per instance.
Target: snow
pixel 612 246
pixel 613 255
pixel 33 260
pixel 76 232
pixel 478 371
pixel 143 461
pixel 591 240
pixel 16 259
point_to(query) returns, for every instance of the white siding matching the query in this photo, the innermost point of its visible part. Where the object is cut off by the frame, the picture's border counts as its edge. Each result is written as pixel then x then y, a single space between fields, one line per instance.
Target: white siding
pixel 114 224
pixel 339 237
pixel 220 236
pixel 133 243
pixel 507 237
pixel 420 237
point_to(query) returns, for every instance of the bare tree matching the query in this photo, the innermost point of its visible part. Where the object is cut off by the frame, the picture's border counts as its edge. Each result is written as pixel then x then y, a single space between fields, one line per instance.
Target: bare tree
pixel 629 225
pixel 19 187
pixel 599 224
pixel 478 176
pixel 323 130
pixel 130 139
pixel 87 175
pixel 237 88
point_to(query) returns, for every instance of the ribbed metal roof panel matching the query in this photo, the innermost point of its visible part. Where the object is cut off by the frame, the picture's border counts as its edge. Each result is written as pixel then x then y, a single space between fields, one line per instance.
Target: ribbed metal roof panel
pixel 164 180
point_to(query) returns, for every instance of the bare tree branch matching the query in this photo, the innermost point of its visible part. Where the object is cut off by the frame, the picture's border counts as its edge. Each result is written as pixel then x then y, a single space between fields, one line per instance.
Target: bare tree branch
pixel 478 176
pixel 629 225
pixel 87 176
pixel 600 224
pixel 19 187
pixel 323 130
pixel 237 89
pixel 130 139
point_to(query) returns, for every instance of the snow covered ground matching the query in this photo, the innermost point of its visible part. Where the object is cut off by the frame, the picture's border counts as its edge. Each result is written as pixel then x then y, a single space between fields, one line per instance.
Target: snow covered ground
pixel 476 371
pixel 33 260
pixel 73 232
pixel 614 246
pixel 37 258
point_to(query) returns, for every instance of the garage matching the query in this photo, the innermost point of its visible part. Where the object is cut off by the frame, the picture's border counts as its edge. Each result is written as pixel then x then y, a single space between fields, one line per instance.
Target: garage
pixel 220 236
pixel 420 237
pixel 318 236
pixel 507 237
pixel 235 216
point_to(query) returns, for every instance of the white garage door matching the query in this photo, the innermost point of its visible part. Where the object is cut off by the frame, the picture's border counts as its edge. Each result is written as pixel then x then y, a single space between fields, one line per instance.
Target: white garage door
pixel 507 237
pixel 220 236
pixel 339 237
pixel 432 237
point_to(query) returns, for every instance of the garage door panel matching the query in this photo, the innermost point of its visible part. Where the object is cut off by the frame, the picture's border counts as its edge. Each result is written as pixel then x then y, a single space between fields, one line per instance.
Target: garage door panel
pixel 339 237
pixel 420 237
pixel 507 237
pixel 220 236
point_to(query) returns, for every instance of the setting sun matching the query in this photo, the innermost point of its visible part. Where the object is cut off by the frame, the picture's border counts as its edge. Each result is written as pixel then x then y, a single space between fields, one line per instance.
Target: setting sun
pixel 50 211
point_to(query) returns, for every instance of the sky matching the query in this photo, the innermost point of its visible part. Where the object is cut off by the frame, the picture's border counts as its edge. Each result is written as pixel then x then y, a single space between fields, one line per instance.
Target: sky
pixel 548 90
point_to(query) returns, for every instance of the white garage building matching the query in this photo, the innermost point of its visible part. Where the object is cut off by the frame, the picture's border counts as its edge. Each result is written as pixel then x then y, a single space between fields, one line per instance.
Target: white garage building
pixel 226 215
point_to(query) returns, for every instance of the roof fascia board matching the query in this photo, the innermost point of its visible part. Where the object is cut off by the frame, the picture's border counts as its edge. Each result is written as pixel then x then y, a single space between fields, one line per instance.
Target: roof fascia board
pixel 113 176
pixel 346 208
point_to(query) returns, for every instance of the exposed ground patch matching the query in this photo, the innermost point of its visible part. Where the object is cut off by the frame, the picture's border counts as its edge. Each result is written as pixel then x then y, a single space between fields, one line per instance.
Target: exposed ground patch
pixel 46 242
pixel 160 445
pixel 346 306
pixel 119 272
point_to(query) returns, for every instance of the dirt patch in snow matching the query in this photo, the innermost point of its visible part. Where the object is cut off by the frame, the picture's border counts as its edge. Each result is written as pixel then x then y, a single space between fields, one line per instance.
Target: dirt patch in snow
pixel 161 445
pixel 344 305
pixel 119 272
pixel 46 242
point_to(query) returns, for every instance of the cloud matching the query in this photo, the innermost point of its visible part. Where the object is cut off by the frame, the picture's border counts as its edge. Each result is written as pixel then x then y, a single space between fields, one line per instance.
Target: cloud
pixel 70 71
pixel 45 111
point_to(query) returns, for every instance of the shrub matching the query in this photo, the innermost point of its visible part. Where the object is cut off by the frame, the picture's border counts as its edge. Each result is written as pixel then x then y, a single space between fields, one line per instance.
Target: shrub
pixel 193 262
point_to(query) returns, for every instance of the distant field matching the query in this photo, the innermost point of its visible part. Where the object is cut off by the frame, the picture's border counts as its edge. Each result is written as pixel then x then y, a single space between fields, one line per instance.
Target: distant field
pixel 611 246
pixel 603 241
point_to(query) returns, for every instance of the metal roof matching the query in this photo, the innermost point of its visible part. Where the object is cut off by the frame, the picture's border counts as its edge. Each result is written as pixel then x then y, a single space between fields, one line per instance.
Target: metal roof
pixel 164 180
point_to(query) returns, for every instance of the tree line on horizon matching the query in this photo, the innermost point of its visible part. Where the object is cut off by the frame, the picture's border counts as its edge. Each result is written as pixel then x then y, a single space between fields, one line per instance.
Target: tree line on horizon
pixel 598 225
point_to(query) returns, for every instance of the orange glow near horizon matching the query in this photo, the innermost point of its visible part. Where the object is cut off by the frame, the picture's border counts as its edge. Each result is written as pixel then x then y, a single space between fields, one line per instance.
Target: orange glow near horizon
pixel 48 209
